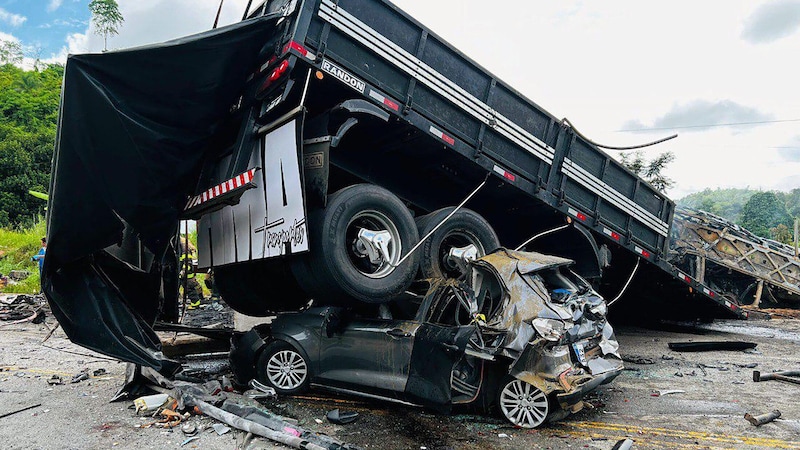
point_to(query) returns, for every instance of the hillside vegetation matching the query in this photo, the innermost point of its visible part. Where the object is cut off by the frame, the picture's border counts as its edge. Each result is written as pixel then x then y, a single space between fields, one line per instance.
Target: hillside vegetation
pixel 29 102
pixel 16 249
pixel 768 214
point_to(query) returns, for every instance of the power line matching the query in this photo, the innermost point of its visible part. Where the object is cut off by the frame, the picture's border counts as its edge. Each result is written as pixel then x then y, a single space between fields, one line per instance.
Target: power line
pixel 686 127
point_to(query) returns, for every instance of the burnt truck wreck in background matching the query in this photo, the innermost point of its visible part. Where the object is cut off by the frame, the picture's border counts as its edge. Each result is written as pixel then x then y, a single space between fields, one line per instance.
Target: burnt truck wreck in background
pixel 327 151
pixel 524 336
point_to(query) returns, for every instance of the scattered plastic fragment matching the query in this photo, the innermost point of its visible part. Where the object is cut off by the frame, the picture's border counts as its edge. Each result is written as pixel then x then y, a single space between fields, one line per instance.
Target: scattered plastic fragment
pixel 189 440
pixel 150 402
pixel 341 417
pixel 220 428
pixel 189 429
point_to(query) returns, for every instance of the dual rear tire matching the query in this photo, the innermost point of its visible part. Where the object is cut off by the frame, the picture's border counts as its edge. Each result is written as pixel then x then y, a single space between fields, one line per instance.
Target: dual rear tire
pixel 342 264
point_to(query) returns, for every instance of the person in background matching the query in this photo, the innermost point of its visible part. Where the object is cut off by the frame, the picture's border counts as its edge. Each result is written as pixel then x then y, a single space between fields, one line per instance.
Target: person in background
pixel 39 257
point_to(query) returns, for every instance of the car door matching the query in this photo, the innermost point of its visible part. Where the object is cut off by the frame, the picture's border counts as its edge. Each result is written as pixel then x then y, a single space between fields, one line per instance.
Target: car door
pixel 439 345
pixel 368 352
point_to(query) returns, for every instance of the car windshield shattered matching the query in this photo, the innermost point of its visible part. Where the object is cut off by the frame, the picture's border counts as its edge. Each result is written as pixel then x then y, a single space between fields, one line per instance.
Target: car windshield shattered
pixel 521 335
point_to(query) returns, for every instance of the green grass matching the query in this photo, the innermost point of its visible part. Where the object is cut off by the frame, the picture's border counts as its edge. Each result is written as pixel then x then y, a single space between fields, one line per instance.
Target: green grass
pixel 16 249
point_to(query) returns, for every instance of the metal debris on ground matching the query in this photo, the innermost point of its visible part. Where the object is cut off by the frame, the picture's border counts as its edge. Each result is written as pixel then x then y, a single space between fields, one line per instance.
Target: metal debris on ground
pixel 711 346
pixel 22 308
pixel 20 410
pixel 80 376
pixel 624 444
pixel 763 418
pixel 664 392
pixel 189 429
pixel 635 359
pixel 790 376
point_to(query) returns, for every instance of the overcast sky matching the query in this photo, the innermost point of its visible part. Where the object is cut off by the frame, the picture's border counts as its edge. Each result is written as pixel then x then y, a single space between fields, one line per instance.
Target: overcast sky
pixel 722 74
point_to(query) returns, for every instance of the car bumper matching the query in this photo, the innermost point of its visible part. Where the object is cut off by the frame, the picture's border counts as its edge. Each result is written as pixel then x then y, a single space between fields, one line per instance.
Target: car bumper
pixel 569 399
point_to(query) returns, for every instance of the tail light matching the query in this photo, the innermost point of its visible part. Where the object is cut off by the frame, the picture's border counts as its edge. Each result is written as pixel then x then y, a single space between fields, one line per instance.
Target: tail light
pixel 276 73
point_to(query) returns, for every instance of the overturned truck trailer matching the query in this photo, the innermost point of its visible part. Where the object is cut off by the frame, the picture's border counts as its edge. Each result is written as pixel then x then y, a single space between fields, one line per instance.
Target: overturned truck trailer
pixel 316 143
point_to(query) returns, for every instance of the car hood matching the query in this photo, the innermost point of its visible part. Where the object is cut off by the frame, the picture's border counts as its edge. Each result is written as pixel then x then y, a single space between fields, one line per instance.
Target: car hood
pixel 524 297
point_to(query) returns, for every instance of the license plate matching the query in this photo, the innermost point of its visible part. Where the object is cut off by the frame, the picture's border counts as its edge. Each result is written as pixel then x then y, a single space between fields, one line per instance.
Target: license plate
pixel 580 353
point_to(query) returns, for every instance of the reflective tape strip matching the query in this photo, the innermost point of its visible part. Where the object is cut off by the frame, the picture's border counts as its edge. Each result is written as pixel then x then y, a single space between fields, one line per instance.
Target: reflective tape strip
pixel 612 234
pixel 384 100
pixel 641 251
pixel 432 79
pixel 610 194
pixel 684 277
pixel 440 134
pixel 577 214
pixel 504 173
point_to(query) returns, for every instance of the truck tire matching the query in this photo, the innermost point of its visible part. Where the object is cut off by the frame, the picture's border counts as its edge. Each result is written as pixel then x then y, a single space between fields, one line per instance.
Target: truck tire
pixel 466 227
pixel 339 266
pixel 259 288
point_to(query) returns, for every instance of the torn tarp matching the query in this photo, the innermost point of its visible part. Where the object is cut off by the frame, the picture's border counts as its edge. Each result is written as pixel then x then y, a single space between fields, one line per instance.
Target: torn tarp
pixel 134 129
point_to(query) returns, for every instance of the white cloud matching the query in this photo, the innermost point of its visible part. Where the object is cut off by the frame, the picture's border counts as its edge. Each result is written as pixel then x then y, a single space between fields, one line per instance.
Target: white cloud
pixel 54 5
pixel 12 19
pixel 75 43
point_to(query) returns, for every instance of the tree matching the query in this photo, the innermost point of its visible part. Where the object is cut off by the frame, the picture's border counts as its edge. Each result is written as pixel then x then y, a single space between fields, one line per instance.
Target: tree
pixel 652 171
pixel 28 116
pixel 106 18
pixel 10 52
pixel 763 212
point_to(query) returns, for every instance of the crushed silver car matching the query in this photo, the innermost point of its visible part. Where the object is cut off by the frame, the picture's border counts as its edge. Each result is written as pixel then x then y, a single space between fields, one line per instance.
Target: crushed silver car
pixel 522 334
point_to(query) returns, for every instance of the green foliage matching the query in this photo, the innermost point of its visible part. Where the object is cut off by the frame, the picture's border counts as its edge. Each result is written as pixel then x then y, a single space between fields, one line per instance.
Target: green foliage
pixel 653 170
pixel 763 212
pixel 106 18
pixel 10 52
pixel 725 203
pixel 29 103
pixel 16 249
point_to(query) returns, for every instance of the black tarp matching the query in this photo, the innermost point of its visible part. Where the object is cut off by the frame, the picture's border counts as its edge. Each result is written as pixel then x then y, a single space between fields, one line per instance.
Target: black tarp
pixel 133 129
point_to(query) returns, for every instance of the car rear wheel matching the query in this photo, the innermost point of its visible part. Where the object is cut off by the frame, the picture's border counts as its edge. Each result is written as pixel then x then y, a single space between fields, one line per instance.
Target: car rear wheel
pixel 284 368
pixel 465 231
pixel 523 404
pixel 357 242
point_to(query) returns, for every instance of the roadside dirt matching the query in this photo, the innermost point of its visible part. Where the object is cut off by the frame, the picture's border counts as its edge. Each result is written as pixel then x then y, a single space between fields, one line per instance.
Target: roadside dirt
pixel 711 392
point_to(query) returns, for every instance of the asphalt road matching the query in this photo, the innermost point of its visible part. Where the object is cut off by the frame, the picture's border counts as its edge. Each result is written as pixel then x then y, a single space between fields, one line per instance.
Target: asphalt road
pixel 711 392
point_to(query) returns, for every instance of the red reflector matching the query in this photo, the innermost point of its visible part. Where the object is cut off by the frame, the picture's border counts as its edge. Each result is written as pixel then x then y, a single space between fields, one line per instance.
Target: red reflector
pixel 392 105
pixel 581 217
pixel 615 235
pixel 509 176
pixel 295 46
pixel 448 139
pixel 645 253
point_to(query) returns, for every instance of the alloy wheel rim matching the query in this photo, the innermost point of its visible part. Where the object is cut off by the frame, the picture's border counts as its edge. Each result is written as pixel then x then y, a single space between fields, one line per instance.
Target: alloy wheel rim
pixel 287 370
pixel 523 404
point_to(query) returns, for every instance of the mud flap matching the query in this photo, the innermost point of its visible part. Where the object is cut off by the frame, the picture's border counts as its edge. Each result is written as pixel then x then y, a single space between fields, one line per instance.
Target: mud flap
pixel 436 351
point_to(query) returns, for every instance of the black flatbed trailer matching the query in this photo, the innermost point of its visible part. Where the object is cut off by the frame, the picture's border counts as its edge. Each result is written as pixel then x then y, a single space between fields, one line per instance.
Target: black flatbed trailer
pixel 437 123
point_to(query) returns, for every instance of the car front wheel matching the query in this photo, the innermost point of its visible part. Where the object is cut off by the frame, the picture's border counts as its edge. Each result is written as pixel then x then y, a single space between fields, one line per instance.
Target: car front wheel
pixel 284 368
pixel 523 404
